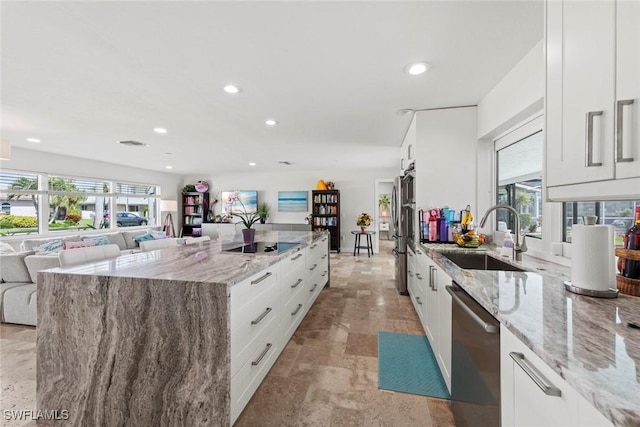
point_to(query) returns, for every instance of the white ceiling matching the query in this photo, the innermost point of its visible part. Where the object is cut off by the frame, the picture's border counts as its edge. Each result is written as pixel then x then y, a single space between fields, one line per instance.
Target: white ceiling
pixel 80 76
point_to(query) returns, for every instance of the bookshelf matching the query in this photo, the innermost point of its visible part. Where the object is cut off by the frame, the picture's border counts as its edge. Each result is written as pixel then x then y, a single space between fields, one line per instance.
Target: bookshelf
pixel 194 211
pixel 326 214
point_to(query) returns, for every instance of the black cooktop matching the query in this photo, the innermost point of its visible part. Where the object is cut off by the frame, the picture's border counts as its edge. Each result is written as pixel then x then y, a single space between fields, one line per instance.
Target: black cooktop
pixel 263 248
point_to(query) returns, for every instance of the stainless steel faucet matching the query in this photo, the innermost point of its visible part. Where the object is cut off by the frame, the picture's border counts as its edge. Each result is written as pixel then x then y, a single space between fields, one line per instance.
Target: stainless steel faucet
pixel 518 248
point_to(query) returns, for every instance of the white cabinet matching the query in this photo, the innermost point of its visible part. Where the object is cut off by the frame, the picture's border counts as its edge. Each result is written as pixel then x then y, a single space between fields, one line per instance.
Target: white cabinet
pixel 592 99
pixel 524 377
pixel 408 147
pixel 434 310
pixel 265 311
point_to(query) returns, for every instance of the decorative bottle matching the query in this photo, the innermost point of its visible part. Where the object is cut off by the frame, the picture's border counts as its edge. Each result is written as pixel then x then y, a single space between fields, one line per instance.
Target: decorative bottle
pixel 631 268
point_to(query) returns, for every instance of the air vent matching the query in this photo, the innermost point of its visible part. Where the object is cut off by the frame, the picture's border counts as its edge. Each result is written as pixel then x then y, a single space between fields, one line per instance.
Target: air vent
pixel 284 162
pixel 133 143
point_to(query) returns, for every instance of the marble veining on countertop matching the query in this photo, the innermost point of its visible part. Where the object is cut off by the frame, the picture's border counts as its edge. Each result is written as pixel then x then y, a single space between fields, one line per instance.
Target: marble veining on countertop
pixel 584 339
pixel 204 262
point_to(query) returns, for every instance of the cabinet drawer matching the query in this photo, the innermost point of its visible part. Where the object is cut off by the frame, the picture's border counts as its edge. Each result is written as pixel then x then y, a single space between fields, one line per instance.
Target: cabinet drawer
pixel 293 283
pixel 250 375
pixel 243 292
pixel 250 323
pixel 293 313
pixel 316 250
pixel 295 261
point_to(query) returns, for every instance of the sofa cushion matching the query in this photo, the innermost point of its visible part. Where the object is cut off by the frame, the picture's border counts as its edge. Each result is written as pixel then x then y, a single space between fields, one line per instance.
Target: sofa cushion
pixel 6 248
pixel 96 240
pixel 113 238
pixel 29 244
pixel 13 268
pixel 129 238
pixel 37 263
pixel 79 245
pixel 20 305
pixel 144 237
pixel 86 255
pixel 4 287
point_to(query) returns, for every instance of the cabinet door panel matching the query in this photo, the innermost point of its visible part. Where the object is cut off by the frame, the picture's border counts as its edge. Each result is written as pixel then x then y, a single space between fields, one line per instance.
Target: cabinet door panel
pixel 444 320
pixel 628 87
pixel 432 324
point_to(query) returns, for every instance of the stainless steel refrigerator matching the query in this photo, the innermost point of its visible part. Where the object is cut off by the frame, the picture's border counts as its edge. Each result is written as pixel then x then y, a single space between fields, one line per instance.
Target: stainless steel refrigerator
pixel 400 249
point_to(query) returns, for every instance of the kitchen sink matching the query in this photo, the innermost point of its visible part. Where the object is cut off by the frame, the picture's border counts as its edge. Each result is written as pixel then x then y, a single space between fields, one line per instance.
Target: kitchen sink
pixel 475 261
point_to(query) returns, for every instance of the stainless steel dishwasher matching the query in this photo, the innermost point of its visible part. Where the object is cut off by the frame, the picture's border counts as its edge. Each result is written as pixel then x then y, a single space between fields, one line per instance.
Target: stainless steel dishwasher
pixel 475 362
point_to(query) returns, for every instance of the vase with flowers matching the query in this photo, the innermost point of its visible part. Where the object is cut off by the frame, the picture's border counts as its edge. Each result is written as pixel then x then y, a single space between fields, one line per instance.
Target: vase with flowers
pixel 247 219
pixel 364 220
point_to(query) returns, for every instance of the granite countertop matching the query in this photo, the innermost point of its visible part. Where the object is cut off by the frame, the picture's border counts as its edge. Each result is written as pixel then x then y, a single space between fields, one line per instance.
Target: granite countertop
pixel 584 339
pixel 204 262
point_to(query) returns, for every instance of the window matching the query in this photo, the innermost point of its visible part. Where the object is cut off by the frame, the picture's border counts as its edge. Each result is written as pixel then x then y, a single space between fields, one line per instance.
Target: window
pixel 19 198
pixel 70 203
pixel 616 213
pixel 519 174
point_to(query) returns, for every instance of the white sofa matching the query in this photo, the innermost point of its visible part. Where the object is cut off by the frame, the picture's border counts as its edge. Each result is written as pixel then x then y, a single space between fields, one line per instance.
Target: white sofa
pixel 19 270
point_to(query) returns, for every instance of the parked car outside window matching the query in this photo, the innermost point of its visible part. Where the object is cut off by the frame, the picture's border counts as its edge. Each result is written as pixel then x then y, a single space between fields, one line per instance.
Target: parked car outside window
pixel 129 219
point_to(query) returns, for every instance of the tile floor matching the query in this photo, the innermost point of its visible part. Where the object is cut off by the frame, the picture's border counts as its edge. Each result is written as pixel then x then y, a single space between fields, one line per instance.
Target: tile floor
pixel 326 376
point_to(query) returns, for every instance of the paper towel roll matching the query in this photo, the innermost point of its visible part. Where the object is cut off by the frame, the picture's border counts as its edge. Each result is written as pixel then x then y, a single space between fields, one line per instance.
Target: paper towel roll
pixel 592 257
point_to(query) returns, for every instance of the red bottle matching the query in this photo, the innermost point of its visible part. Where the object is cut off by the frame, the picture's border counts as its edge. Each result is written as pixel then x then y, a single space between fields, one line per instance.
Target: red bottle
pixel 631 268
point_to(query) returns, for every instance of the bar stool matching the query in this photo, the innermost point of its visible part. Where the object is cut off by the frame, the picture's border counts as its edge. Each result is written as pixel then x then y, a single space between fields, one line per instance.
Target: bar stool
pixel 368 240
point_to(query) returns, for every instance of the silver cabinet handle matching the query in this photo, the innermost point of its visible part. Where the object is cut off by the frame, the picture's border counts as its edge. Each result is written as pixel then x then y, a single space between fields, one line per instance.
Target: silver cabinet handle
pixel 296 257
pixel 323 256
pixel 418 276
pixel 548 388
pixel 262 316
pixel 314 267
pixel 589 138
pixel 620 158
pixel 418 300
pixel 324 273
pixel 297 310
pixel 433 280
pixel 260 279
pixel 410 273
pixel 324 239
pixel 488 327
pixel 264 352
pixel 315 285
pixel 295 285
pixel 313 246
pixel 418 251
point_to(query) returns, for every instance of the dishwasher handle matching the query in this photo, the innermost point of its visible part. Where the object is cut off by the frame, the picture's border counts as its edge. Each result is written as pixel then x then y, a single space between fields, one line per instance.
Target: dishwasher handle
pixel 488 327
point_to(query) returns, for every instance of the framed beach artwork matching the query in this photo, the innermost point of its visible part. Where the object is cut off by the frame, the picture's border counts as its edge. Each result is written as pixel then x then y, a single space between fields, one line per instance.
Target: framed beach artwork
pixel 292 201
pixel 248 198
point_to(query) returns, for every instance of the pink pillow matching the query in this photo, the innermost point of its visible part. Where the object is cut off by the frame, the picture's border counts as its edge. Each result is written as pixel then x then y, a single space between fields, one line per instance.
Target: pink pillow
pixel 78 245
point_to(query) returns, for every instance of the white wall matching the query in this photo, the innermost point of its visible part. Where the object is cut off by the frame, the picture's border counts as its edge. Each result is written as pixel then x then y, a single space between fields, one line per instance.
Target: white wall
pixel 518 96
pixel 39 161
pixel 357 192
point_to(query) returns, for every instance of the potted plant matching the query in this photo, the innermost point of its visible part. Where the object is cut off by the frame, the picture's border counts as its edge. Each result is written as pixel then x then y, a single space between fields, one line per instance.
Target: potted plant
pixel 263 212
pixel 248 219
pixel 383 203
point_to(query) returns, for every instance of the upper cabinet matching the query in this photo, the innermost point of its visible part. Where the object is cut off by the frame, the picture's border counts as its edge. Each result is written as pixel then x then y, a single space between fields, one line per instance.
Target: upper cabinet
pixel 408 148
pixel 592 99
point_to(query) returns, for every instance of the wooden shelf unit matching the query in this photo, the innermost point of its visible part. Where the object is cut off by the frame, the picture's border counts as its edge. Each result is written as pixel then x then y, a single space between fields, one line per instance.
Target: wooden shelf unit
pixel 194 212
pixel 326 214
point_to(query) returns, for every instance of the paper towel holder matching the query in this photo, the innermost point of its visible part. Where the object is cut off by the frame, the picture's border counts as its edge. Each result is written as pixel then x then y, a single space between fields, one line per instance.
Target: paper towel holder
pixel 609 293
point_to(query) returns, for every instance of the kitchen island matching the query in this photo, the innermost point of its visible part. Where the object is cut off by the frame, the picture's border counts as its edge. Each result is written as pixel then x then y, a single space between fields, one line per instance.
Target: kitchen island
pixel 159 338
pixel 584 340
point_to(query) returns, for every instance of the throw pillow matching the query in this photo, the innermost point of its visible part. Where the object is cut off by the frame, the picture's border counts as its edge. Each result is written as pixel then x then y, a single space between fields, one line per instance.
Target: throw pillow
pixel 98 240
pixel 144 237
pixel 78 245
pixel 158 234
pixel 6 248
pixel 49 247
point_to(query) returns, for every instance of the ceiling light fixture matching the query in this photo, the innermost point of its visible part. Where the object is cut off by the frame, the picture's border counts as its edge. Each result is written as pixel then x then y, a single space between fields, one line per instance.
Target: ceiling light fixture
pixel 168 167
pixel 159 130
pixel 34 140
pixel 417 68
pixel 231 89
pixel 270 122
pixel 252 163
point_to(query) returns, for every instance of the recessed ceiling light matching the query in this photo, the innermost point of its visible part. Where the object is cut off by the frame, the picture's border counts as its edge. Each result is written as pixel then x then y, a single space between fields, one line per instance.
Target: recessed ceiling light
pixel 252 163
pixel 168 167
pixel 159 130
pixel 270 122
pixel 35 140
pixel 417 68
pixel 231 89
